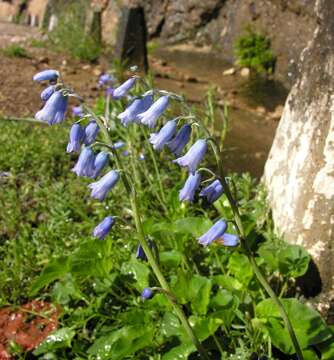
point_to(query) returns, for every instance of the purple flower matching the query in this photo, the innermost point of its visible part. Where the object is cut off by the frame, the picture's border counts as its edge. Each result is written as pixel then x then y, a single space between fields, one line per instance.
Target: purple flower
pixel 158 140
pixel 76 136
pixel 54 109
pixel 77 111
pixel 101 188
pixel 101 160
pixel 194 156
pixel 138 106
pixel 191 185
pixel 103 229
pixel 91 131
pixel 141 157
pixel 181 140
pixel 213 191
pixel 50 75
pixel 123 89
pixel 85 163
pixel 229 240
pixel 109 90
pixel 126 153
pixel 105 79
pixel 118 145
pixel 214 233
pixel 46 93
pixel 150 116
pixel 147 294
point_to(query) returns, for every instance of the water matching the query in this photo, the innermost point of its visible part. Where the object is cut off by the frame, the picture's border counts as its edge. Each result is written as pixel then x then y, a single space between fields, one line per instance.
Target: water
pixel 251 133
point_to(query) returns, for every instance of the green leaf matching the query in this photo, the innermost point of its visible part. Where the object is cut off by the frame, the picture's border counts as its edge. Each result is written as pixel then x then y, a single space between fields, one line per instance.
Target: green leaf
pixel 170 325
pixel 310 355
pixel 205 326
pixel 225 304
pixel 309 327
pixel 90 260
pixel 123 342
pixel 268 252
pixel 192 225
pixel 59 339
pixel 240 267
pixel 171 259
pixel 180 352
pixel 139 271
pixel 293 261
pixel 228 282
pixel 199 292
pixel 51 272
pixel 327 349
pixel 180 286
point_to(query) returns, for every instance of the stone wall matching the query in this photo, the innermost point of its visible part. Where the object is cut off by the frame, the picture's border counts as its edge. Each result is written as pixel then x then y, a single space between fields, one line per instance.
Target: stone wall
pixel 217 23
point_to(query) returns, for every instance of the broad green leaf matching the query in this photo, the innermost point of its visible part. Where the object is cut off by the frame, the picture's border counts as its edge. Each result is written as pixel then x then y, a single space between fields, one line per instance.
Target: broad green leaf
pixel 123 342
pixel 139 271
pixel 180 352
pixel 327 349
pixel 268 252
pixel 293 260
pixel 171 259
pixel 228 282
pixel 59 339
pixel 199 293
pixel 204 326
pixel 310 355
pixel 51 272
pixel 170 325
pixel 195 226
pixel 90 260
pixel 180 286
pixel 309 327
pixel 225 304
pixel 240 267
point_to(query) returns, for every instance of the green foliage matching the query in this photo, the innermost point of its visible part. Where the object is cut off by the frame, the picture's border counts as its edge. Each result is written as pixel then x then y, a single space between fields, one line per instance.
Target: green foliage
pixel 48 252
pixel 253 50
pixel 15 50
pixel 70 36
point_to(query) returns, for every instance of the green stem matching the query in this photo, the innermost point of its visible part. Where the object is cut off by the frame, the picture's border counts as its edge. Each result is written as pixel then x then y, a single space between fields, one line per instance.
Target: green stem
pixel 150 257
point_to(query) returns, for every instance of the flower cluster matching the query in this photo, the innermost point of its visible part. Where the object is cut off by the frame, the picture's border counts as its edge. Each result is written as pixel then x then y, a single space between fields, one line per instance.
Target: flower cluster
pixel 141 110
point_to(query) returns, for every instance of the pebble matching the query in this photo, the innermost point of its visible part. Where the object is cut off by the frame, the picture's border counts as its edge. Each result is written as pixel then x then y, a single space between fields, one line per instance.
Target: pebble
pixel 229 72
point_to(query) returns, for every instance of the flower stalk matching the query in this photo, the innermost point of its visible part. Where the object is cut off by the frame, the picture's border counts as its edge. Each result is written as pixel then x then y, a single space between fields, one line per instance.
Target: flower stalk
pixel 143 242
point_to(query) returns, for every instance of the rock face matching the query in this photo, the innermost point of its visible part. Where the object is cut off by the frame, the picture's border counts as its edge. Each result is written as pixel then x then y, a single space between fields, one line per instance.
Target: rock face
pixel 299 173
pixel 288 23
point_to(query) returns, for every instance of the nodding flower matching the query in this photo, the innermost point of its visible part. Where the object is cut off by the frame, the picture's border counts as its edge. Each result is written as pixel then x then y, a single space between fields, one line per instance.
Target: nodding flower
pixel 147 294
pixel 229 240
pixel 118 145
pixel 101 188
pixel 47 92
pixel 54 109
pixel 194 156
pixel 46 75
pixel 150 116
pixel 180 140
pixel 123 89
pixel 138 106
pixel 85 163
pixel 189 189
pixel 213 191
pixel 76 136
pixel 158 140
pixel 104 227
pixel 91 131
pixel 214 233
pixel 77 111
pixel 101 160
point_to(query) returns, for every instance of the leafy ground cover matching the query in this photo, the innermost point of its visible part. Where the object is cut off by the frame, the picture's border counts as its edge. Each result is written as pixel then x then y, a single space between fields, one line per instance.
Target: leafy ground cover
pixel 48 254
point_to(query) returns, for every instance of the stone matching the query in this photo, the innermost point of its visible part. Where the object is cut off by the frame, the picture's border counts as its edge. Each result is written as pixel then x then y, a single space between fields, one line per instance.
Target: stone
pixel 245 72
pixel 299 172
pixel 131 38
pixel 229 72
pixel 277 113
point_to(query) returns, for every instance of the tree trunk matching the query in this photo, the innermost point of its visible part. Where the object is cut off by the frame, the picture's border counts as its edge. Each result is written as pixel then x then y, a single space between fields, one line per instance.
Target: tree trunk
pixel 299 173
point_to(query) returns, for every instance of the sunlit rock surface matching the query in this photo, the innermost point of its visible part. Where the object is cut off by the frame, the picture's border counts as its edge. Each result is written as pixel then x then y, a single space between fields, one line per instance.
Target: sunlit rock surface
pixel 299 173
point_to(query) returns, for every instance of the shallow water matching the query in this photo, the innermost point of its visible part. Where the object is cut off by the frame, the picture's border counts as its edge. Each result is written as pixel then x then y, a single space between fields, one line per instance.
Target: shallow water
pixel 250 134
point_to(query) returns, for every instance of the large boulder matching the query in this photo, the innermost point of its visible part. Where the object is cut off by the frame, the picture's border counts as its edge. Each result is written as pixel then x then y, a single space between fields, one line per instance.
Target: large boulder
pixel 299 173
